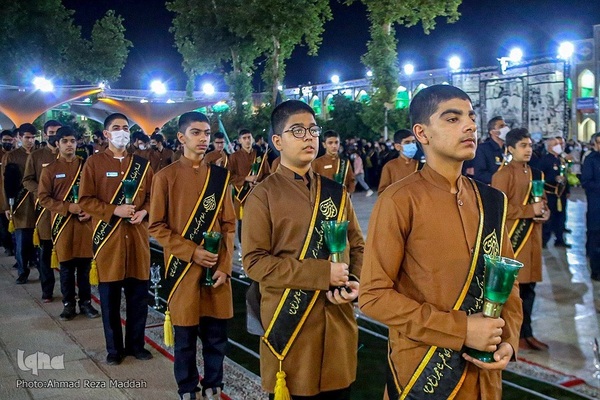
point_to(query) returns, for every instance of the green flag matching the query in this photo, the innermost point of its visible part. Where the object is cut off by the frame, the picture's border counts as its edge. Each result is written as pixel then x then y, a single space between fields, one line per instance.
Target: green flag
pixel 228 145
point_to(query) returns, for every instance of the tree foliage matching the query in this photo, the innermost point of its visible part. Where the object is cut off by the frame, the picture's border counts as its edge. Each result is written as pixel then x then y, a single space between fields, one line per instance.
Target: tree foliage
pixel 40 37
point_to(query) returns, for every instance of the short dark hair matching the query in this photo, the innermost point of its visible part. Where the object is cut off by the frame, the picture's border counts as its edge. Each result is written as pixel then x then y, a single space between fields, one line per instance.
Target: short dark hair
pixel 330 133
pixel 193 116
pixel 426 102
pixel 593 139
pixel 515 135
pixel 492 123
pixel 27 128
pixel 143 137
pixel 259 137
pixel 50 123
pixel 109 120
pixel 219 135
pixel 401 134
pixel 7 132
pixel 65 131
pixel 137 135
pixel 158 137
pixel 243 132
pixel 284 111
pixel 99 134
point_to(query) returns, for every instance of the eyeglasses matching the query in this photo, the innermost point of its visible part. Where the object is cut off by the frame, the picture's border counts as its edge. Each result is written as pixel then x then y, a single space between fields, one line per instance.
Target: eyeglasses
pixel 299 132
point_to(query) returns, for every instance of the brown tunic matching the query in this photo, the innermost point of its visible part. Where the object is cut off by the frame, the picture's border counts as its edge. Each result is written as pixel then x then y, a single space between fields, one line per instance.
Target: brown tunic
pixel 126 253
pixel 217 157
pixel 240 164
pixel 75 241
pixel 276 221
pixel 275 163
pixel 327 166
pixel 177 155
pixel 24 216
pixel 99 148
pixel 2 154
pixel 514 181
pixel 175 192
pixel 395 170
pixel 36 162
pixel 161 159
pixel 417 258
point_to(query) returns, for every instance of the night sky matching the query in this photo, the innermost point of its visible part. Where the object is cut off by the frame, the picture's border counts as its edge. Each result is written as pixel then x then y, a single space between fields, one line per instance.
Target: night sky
pixel 487 29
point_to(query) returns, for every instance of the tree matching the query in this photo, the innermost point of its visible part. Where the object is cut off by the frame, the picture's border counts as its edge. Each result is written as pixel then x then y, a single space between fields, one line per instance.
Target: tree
pixel 381 56
pixel 346 118
pixel 212 45
pixel 40 37
pixel 278 26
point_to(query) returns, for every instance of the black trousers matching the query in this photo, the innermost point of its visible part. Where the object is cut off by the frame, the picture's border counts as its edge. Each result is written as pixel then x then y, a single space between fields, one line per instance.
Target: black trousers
pixel 24 249
pixel 527 293
pixel 47 278
pixel 81 266
pixel 213 334
pixel 6 240
pixel 342 394
pixel 594 253
pixel 556 224
pixel 136 303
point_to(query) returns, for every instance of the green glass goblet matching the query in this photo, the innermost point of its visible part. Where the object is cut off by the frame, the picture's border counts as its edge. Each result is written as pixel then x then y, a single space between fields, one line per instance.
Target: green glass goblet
pixel 212 239
pixel 537 190
pixel 75 190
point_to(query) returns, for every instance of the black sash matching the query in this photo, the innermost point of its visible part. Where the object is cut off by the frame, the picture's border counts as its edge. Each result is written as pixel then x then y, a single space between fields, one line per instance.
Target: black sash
pixel 344 166
pixel 243 192
pixel 137 171
pixel 60 221
pixel 521 230
pixel 201 220
pixel 441 372
pixel 20 199
pixel 296 304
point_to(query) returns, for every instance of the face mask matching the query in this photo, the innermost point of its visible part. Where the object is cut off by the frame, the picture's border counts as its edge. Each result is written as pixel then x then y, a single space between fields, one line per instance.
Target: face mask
pixel 154 147
pixel 52 141
pixel 119 139
pixel 536 137
pixel 557 148
pixel 7 146
pixel 503 132
pixel 409 150
pixel 142 147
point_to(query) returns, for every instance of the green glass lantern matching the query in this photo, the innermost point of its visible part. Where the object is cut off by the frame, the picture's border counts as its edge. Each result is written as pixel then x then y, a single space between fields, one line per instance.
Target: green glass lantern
pixel 212 239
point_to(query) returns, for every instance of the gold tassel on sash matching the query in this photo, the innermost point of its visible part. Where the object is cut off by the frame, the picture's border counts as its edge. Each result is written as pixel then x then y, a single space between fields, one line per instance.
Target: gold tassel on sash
pixel 241 211
pixel 94 273
pixel 54 264
pixel 11 225
pixel 36 237
pixel 281 390
pixel 559 207
pixel 168 329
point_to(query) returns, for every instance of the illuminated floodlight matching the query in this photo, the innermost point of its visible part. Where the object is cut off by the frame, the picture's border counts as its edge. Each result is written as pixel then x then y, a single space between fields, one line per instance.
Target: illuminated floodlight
pixel 208 89
pixel 515 55
pixel 158 87
pixel 409 69
pixel 369 73
pixel 43 84
pixel 454 62
pixel 335 79
pixel 143 101
pixel 170 101
pixel 102 85
pixel 280 87
pixel 566 50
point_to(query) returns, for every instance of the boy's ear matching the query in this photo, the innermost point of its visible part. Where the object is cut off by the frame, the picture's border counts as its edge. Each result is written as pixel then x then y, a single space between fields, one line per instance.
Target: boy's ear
pixel 276 141
pixel 420 135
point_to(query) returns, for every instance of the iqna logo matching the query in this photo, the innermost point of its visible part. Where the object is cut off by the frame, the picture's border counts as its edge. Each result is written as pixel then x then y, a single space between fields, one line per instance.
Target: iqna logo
pixel 37 361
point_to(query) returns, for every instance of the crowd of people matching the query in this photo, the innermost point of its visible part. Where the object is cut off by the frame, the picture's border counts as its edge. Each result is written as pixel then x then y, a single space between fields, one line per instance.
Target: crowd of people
pixel 89 211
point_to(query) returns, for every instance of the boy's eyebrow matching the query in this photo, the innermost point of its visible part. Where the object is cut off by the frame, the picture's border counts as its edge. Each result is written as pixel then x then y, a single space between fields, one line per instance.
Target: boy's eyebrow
pixel 456 111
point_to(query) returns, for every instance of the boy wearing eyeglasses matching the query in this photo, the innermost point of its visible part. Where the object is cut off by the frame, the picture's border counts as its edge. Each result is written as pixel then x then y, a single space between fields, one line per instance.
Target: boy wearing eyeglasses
pixel 311 336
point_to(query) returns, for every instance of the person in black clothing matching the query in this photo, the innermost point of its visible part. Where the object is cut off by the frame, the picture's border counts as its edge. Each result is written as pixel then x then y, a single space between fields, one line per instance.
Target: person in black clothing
pixel 554 166
pixel 490 155
pixel 590 180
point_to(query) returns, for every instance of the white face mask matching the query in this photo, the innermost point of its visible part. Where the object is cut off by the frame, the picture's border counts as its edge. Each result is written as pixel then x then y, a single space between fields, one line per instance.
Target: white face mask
pixel 557 148
pixel 503 131
pixel 142 147
pixel 119 139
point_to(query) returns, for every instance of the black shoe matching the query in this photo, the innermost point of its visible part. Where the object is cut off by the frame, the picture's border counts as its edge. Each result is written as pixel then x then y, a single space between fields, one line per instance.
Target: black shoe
pixel 23 277
pixel 562 244
pixel 114 359
pixel 88 310
pixel 68 312
pixel 142 354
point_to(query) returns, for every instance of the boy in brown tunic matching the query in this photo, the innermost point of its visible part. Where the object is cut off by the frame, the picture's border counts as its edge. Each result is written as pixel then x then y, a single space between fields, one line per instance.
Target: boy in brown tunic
pixel 197 310
pixel 23 215
pixel 163 156
pixel 423 268
pixel 36 162
pixel 284 252
pixel 331 163
pixel 524 220
pixel 71 228
pixel 401 167
pixel 120 239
